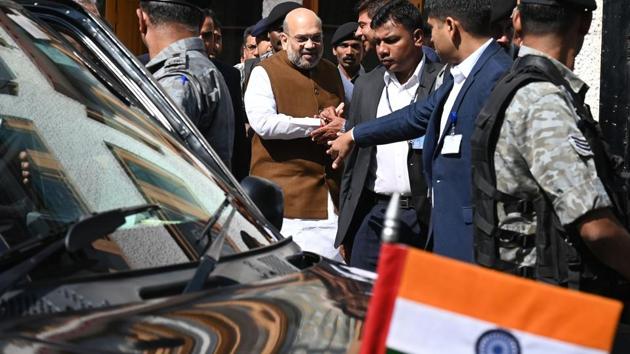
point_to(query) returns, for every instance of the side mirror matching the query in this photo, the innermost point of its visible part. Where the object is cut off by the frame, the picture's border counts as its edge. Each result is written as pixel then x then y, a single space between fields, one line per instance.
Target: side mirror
pixel 267 196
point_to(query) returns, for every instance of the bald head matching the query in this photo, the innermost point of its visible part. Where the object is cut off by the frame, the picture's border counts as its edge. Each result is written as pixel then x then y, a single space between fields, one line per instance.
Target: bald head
pixel 301 18
pixel 303 38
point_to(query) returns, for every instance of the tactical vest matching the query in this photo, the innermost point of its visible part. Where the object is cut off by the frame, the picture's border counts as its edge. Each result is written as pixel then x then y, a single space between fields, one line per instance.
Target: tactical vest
pixel 562 258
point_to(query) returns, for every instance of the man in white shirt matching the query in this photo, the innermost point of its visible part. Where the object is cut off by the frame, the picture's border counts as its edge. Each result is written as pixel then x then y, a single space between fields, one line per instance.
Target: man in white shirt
pixel 348 50
pixel 285 93
pixel 373 174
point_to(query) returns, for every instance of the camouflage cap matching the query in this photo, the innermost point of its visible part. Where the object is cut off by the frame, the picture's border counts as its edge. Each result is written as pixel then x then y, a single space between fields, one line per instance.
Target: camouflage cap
pixel 589 5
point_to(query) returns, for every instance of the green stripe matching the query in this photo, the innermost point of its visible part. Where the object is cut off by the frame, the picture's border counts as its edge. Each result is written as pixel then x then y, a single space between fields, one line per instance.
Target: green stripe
pixel 392 351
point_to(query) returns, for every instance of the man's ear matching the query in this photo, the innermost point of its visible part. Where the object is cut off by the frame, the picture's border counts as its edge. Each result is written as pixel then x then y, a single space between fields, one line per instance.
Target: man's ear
pixel 516 23
pixel 418 37
pixel 453 29
pixel 142 21
pixel 283 40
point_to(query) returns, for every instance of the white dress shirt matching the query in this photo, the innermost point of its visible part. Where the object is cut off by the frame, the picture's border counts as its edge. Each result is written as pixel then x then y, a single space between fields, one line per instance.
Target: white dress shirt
pixel 391 171
pixel 460 73
pixel 260 105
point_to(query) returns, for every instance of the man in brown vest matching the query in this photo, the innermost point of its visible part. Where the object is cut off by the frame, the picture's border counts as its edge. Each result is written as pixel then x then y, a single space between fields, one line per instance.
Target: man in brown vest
pixel 284 94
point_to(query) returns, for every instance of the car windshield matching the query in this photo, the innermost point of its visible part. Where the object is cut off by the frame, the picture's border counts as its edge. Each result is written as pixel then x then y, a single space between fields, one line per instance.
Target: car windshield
pixel 70 148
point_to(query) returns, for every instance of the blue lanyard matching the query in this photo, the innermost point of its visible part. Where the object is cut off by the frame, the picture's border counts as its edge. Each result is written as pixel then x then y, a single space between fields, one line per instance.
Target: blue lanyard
pixel 453 118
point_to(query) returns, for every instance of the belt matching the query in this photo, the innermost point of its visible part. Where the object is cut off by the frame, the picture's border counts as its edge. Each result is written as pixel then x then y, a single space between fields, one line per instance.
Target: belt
pixel 405 202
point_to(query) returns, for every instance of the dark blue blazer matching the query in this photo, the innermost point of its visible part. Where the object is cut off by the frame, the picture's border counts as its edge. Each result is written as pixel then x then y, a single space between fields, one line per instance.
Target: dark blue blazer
pixel 448 175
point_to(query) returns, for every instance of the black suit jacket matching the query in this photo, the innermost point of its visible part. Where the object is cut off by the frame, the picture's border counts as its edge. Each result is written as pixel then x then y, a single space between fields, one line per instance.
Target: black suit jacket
pixel 365 99
pixel 241 152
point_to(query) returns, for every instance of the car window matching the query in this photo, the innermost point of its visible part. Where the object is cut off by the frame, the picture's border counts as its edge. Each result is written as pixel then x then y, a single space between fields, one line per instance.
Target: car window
pixel 70 148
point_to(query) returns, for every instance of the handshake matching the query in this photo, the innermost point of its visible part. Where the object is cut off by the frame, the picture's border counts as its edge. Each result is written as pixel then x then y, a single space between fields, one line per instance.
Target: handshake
pixel 331 132
pixel 332 124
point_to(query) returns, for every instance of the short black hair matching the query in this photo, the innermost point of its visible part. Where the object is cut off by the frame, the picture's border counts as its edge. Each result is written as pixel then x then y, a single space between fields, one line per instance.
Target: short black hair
pixel 371 6
pixel 213 15
pixel 247 33
pixel 544 19
pixel 474 15
pixel 161 13
pixel 400 12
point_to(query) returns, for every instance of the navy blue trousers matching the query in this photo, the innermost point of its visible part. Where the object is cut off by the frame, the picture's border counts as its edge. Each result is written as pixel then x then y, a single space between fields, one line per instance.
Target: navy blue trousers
pixel 367 240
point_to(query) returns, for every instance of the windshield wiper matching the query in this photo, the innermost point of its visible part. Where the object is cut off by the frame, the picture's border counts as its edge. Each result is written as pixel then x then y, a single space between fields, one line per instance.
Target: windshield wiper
pixel 79 234
pixel 212 250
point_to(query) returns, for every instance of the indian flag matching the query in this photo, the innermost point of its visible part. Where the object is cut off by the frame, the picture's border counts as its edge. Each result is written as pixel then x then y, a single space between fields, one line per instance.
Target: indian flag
pixel 424 303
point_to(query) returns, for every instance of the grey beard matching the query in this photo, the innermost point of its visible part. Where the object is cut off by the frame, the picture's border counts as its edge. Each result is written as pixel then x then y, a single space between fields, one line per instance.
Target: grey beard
pixel 294 57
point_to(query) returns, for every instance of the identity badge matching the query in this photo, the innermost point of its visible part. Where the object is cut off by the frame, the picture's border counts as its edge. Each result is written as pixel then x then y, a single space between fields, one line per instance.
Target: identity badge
pixel 452 144
pixel 417 143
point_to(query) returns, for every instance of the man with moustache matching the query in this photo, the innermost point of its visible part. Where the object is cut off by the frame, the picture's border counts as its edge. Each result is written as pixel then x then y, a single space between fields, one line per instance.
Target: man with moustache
pixel 268 33
pixel 284 93
pixel 348 50
pixel 373 174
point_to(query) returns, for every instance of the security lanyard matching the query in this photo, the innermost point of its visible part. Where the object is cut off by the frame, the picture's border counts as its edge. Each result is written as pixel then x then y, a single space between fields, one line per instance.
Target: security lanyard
pixel 389 105
pixel 413 99
pixel 453 118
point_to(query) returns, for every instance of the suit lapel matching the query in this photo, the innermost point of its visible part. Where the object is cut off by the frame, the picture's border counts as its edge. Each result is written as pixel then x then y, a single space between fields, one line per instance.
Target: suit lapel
pixel 483 59
pixel 434 122
pixel 427 80
pixel 374 95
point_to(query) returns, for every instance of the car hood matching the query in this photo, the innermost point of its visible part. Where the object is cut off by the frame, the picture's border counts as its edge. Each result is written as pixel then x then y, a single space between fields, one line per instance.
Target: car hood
pixel 320 309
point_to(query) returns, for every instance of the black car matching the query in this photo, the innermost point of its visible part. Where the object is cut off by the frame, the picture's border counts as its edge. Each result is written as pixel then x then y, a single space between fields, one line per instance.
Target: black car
pixel 119 229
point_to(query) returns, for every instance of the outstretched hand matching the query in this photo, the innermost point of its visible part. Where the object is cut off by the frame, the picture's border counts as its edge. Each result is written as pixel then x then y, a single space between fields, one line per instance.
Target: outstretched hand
pixel 332 123
pixel 340 148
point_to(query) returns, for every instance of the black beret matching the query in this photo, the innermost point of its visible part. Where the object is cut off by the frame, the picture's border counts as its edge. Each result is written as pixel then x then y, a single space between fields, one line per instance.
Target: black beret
pixel 589 5
pixel 344 32
pixel 277 14
pixel 259 28
pixel 501 9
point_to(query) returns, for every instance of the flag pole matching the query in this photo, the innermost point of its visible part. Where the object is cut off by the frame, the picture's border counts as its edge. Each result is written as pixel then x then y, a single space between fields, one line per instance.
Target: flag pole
pixel 390 225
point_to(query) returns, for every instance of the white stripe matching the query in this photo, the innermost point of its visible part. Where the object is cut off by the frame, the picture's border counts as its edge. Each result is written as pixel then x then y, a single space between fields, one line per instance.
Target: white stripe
pixel 418 328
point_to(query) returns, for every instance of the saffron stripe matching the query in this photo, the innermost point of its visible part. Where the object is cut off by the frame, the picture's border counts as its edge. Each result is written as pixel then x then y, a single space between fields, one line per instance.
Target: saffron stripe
pixel 509 301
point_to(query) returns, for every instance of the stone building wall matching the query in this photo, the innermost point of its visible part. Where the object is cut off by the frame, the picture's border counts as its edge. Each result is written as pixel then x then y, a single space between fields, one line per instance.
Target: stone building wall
pixel 588 62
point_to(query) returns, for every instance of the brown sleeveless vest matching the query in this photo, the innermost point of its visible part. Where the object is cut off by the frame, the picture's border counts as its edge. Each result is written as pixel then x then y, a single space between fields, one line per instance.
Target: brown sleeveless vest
pixel 300 166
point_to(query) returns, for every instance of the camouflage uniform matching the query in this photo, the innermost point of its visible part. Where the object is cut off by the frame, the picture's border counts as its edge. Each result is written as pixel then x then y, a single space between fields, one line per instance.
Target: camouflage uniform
pixel 197 87
pixel 540 146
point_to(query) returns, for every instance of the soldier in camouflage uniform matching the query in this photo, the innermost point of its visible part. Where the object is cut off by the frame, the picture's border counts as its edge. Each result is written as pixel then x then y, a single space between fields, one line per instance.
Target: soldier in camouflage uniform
pixel 541 150
pixel 170 30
